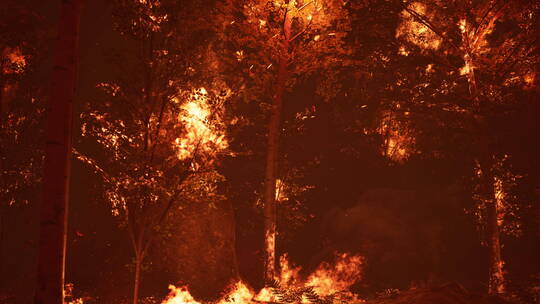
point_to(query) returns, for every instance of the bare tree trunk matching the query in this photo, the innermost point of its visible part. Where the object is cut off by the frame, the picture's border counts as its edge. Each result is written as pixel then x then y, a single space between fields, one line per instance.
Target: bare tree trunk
pixel 57 166
pixel 137 281
pixel 2 82
pixel 136 233
pixel 2 227
pixel 3 125
pixel 272 152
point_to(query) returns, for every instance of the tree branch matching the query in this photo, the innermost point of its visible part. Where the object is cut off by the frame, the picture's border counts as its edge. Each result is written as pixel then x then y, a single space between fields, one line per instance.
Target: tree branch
pixel 430 25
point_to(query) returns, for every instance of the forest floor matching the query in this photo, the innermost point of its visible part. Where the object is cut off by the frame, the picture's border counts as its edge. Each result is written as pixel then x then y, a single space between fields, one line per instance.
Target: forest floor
pixel 451 293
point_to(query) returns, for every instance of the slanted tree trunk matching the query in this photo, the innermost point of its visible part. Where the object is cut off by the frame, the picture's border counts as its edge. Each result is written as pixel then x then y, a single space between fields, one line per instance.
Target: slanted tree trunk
pixel 272 150
pixel 57 166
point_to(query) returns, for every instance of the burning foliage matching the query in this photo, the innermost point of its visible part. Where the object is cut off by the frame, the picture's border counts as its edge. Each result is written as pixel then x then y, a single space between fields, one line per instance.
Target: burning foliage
pixel 202 126
pixel 327 283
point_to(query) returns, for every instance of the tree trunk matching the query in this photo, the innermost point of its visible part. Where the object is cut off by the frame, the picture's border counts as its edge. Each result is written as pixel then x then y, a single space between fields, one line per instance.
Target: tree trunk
pixel 57 166
pixel 2 62
pixel 272 151
pixel 3 200
pixel 496 274
pixel 2 225
pixel 137 281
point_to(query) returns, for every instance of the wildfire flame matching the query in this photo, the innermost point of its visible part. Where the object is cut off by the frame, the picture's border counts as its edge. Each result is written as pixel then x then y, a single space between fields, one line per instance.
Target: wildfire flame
pixel 179 295
pixel 327 279
pixel 202 134
pixel 15 62
pixel 529 79
pixel 289 273
pixel 239 293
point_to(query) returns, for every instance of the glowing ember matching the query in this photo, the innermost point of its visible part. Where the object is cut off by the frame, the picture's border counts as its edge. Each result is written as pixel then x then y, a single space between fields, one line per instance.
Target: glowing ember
pixel 281 195
pixel 397 138
pixel 462 25
pixel 403 51
pixel 529 79
pixel 15 61
pixel 465 70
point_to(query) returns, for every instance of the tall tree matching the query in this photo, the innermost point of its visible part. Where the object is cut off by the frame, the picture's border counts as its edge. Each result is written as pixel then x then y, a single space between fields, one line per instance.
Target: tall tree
pixel 277 44
pixel 53 216
pixel 270 178
pixel 468 44
pixel 158 129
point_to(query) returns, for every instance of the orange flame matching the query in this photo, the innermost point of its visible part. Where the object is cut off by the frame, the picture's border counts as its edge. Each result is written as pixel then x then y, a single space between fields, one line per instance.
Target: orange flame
pixel 327 279
pixel 15 62
pixel 202 135
pixel 529 79
pixel 289 274
pixel 179 295
pixel 265 295
pixel 239 293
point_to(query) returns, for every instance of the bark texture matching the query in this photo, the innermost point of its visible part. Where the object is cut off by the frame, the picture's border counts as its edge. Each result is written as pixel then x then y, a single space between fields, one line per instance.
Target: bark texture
pixel 53 216
pixel 272 155
pixel 496 283
pixel 137 280
pixel 496 274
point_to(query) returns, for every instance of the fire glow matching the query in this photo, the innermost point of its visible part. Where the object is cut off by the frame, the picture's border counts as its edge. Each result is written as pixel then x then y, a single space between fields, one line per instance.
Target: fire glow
pixel 328 279
pixel 201 134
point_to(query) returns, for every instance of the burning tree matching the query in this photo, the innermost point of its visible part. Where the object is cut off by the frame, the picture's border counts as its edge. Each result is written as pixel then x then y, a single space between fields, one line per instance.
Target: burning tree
pixel 488 45
pixel 276 44
pixel 156 137
pixel 149 168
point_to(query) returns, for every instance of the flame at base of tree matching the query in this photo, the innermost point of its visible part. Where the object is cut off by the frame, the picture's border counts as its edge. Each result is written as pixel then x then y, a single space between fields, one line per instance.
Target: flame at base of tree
pixel 327 280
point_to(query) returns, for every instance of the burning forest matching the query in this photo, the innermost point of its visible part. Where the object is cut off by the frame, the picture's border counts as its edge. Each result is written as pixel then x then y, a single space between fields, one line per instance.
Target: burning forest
pixel 269 152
